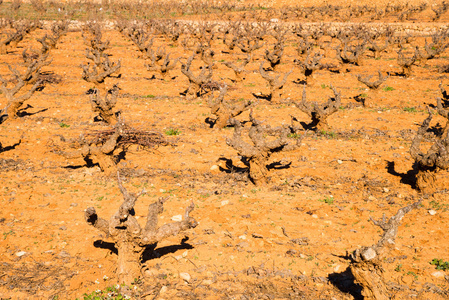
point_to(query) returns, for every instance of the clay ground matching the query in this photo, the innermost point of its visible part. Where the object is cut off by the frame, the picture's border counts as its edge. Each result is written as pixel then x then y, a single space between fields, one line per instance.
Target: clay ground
pixel 287 240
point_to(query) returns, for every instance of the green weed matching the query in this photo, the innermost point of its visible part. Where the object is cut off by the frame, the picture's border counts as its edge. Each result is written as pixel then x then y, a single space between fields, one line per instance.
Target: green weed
pixel 410 109
pixel 327 200
pixel 172 131
pixel 440 264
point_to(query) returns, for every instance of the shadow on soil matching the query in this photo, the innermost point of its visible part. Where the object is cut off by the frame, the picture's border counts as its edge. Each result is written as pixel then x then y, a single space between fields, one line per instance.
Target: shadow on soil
pixel 8 148
pixel 406 178
pixel 151 251
pixel 344 281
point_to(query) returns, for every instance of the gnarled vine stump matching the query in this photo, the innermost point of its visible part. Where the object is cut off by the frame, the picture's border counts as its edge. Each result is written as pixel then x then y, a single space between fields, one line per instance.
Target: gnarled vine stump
pixel 195 82
pixel 129 237
pixel 320 113
pixel 436 158
pixel 258 154
pixel 367 262
pixel 225 110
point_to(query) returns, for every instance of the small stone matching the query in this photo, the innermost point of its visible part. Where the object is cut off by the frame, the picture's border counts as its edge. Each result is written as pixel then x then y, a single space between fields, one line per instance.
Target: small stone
pixel 314 216
pixel 337 268
pixel 151 272
pixel 242 245
pixel 207 282
pixel 339 161
pixel 185 253
pixel 63 254
pixel 73 204
pixel 369 254
pixel 438 274
pixel 302 256
pixel 63 228
pixel 372 198
pixel 257 236
pixel 224 202
pixel 163 290
pixel 185 276
pixel 386 190
pixel 215 168
pixel 177 218
pixel 432 212
pixel 242 237
pixel 20 253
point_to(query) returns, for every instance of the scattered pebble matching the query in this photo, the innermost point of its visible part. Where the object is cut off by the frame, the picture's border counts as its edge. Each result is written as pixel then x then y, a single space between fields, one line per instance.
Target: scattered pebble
pixel 438 274
pixel 386 190
pixel 432 212
pixel 151 272
pixel 163 290
pixel 20 253
pixel 63 254
pixel 257 236
pixel 369 254
pixel 224 202
pixel 177 218
pixel 339 161
pixel 185 276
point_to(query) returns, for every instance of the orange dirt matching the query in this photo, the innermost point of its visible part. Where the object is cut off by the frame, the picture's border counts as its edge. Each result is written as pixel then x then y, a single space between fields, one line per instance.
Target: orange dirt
pixel 287 240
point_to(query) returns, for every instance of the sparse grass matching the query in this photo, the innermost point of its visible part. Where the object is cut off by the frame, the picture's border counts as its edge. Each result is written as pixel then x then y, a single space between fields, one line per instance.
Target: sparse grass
pixel 410 109
pixel 388 88
pixel 327 200
pixel 439 206
pixel 294 135
pixel 172 131
pixel 328 134
pixel 109 293
pixel 5 234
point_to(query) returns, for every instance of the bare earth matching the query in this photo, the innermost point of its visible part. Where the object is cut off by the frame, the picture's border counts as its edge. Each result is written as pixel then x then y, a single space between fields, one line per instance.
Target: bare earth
pixel 286 240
